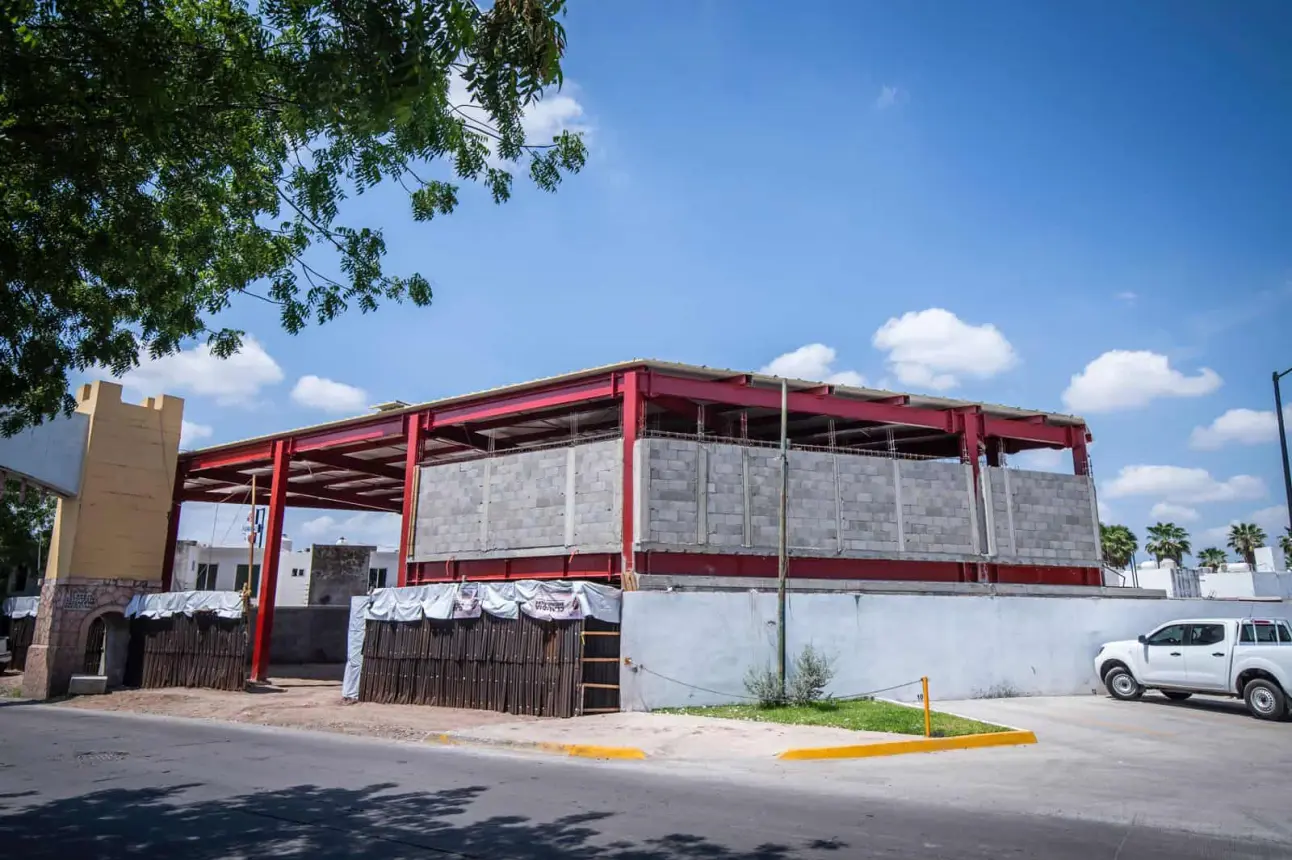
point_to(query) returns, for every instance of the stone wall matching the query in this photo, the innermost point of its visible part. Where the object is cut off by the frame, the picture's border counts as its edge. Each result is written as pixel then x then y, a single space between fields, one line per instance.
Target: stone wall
pixel 337 573
pixel 531 502
pixel 68 606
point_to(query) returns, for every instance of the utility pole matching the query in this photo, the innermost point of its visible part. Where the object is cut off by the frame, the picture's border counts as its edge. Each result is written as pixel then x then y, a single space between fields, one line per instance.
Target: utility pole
pixel 782 545
pixel 251 548
pixel 1283 442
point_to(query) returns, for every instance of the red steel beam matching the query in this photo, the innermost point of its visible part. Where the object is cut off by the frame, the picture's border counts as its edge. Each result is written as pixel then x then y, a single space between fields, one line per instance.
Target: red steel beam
pixel 172 529
pixel 263 498
pixel 597 388
pixel 321 492
pixel 269 566
pixel 412 460
pixel 460 435
pixel 353 464
pixel 260 453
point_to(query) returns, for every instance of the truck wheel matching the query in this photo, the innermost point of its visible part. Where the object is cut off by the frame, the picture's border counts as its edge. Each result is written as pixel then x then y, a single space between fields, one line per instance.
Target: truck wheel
pixel 1265 700
pixel 1176 697
pixel 1122 685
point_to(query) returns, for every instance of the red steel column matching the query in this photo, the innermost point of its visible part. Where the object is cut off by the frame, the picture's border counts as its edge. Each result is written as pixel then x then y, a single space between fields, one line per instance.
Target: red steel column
pixel 1080 456
pixel 412 460
pixel 269 562
pixel 172 531
pixel 631 416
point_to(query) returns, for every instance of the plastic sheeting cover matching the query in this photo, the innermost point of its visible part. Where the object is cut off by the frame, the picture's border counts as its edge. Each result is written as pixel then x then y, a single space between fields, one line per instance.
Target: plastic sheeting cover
pixel 557 600
pixel 21 607
pixel 225 604
pixel 354 647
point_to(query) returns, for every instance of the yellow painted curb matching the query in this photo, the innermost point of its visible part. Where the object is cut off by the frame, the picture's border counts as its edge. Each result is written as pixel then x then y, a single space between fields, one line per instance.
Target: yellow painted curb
pixel 576 750
pixel 917 745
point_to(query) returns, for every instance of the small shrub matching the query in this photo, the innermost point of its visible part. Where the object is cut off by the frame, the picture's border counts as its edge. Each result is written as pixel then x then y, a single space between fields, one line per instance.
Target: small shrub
pixel 764 686
pixel 813 672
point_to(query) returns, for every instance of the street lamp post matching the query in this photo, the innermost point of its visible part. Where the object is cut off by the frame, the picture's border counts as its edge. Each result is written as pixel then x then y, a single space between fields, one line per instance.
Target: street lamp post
pixel 1283 442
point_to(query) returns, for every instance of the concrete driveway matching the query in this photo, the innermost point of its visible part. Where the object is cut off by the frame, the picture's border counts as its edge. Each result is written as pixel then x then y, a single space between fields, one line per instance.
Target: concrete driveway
pixel 1202 765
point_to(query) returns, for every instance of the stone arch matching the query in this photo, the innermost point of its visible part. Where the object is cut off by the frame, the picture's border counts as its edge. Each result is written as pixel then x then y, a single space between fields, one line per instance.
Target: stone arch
pixel 116 644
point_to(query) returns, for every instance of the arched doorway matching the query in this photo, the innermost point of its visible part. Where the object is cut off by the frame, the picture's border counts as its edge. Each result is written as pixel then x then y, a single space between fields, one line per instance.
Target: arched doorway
pixel 96 645
pixel 107 646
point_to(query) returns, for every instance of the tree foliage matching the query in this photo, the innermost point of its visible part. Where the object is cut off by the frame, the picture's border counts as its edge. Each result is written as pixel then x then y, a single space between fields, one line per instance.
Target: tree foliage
pixel 1212 558
pixel 1285 544
pixel 1167 540
pixel 1118 544
pixel 161 160
pixel 1244 538
pixel 26 522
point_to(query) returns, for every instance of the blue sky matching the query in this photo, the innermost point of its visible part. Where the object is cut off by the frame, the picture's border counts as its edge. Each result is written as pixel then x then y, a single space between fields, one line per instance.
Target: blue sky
pixel 1065 181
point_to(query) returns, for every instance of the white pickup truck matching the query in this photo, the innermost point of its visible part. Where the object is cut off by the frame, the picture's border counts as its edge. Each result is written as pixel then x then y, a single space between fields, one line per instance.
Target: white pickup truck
pixel 1250 658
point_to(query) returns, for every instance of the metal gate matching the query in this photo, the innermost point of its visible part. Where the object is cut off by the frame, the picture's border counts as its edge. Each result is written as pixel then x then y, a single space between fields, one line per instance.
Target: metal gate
pixel 95 643
pixel 21 631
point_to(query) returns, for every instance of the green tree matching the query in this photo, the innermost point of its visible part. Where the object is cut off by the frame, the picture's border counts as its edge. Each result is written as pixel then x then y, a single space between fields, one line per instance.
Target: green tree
pixel 160 161
pixel 1167 540
pixel 1118 544
pixel 1244 538
pixel 1212 558
pixel 26 522
pixel 1285 544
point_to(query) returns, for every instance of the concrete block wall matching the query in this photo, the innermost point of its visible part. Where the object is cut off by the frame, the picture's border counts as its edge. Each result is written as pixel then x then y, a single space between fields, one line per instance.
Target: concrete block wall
pixel 530 502
pixel 725 498
pixel 1042 517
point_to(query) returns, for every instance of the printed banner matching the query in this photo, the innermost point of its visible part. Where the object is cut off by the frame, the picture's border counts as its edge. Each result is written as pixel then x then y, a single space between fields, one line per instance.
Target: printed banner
pixel 554 607
pixel 466 606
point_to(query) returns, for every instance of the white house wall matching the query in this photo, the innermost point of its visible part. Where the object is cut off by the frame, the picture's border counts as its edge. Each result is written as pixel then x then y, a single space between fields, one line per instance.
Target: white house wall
pixel 969 646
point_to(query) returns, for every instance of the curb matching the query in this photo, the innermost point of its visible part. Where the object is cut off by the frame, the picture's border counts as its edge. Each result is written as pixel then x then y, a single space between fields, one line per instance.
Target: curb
pixel 573 750
pixel 918 745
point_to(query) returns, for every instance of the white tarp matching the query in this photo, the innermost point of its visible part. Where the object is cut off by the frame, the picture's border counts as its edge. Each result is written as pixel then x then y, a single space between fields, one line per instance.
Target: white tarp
pixel 556 600
pixel 21 607
pixel 225 604
pixel 354 647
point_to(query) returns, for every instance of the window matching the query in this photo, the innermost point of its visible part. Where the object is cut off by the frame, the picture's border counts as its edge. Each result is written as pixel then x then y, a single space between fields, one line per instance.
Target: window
pixel 376 577
pixel 1173 635
pixel 240 579
pixel 1260 633
pixel 1285 633
pixel 1206 634
pixel 298 571
pixel 206 576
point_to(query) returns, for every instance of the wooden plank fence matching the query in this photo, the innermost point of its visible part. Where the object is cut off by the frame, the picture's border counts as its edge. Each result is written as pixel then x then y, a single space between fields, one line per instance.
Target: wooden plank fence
pixel 520 666
pixel 202 650
pixel 21 631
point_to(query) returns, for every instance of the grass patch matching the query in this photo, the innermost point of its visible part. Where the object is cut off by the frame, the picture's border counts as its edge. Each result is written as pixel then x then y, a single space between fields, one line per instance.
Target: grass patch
pixel 864 715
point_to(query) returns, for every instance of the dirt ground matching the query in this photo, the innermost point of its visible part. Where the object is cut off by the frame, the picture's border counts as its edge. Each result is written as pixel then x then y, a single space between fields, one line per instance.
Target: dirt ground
pixel 311 700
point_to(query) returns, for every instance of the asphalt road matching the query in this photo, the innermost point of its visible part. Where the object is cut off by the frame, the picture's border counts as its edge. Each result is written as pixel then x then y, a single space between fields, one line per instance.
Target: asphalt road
pixel 87 785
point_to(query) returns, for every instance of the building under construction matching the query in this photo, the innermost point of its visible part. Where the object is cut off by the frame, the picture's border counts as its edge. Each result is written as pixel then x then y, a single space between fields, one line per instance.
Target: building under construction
pixel 648 467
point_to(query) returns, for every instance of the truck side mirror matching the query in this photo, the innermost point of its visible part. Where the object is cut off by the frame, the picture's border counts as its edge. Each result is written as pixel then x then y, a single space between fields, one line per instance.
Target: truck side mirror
pixel 1142 639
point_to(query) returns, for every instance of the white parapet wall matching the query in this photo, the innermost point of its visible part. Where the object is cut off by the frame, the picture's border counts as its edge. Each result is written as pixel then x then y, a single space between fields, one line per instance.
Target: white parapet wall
pixel 695 648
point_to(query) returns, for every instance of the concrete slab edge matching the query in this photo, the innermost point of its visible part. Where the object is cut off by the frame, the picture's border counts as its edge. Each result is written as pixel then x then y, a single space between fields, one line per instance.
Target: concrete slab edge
pixel 915 745
pixel 574 750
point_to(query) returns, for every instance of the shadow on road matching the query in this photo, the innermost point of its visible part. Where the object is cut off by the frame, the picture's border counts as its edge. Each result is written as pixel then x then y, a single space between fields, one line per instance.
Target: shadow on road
pixel 321 823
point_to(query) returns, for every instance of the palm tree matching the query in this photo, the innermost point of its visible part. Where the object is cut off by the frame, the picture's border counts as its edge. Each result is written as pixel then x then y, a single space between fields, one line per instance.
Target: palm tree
pixel 1211 558
pixel 1167 540
pixel 1285 544
pixel 1119 544
pixel 1244 538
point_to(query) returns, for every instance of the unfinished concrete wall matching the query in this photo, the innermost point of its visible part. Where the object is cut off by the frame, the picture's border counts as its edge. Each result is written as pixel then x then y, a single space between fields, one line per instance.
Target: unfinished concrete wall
pixel 337 573
pixel 726 497
pixel 531 502
pixel 308 634
pixel 1041 517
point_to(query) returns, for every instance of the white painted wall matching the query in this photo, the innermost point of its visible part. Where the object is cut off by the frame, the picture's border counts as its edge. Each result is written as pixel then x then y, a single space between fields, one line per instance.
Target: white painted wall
pixel 292 590
pixel 969 646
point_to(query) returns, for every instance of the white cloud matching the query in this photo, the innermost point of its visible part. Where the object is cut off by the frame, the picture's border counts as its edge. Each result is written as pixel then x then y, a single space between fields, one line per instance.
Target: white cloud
pixel 558 111
pixel 814 362
pixel 1128 297
pixel 232 381
pixel 1042 460
pixel 1171 512
pixel 1126 379
pixel 190 432
pixel 1183 485
pixel 376 529
pixel 315 392
pixel 933 348
pixel 890 96
pixel 1240 426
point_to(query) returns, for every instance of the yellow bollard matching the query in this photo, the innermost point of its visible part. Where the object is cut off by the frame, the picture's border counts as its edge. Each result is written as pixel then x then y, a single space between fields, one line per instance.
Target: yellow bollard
pixel 928 718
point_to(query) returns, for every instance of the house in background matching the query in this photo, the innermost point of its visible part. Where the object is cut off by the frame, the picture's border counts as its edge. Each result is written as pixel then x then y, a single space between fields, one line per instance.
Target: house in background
pixel 319 574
